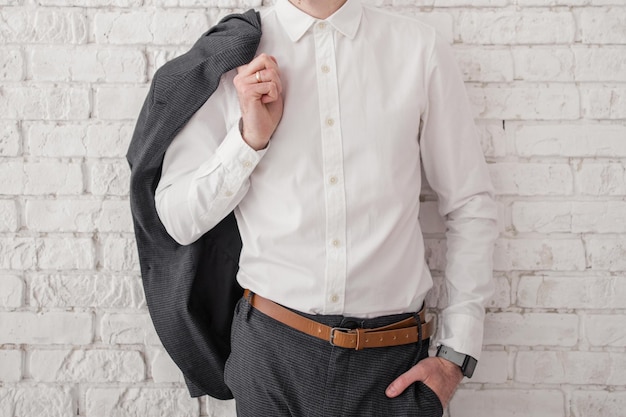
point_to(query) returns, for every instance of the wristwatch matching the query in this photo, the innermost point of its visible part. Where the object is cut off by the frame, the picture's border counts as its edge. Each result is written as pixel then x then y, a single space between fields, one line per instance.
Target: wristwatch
pixel 465 362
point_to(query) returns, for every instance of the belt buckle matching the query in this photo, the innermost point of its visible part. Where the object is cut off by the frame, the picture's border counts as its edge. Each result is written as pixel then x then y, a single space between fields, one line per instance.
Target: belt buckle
pixel 332 334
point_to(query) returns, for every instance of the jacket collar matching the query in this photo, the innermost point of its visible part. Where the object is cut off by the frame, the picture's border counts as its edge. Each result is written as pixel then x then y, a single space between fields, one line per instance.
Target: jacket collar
pixel 346 20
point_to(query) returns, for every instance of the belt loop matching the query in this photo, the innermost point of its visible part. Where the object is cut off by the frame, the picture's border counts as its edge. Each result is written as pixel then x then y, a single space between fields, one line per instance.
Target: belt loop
pixel 248 296
pixel 418 319
pixel 360 332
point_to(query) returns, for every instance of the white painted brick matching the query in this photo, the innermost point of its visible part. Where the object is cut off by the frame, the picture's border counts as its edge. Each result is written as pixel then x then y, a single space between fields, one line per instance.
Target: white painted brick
pixel 598 403
pixel 221 408
pixel 9 139
pixel 91 3
pixel 603 102
pixel 483 64
pixel 532 329
pixel 44 102
pixel 437 296
pixel 508 403
pixel 11 64
pixel 571 292
pixel 117 402
pixel 42 25
pixel 577 217
pixel 600 64
pixel 115 216
pixel 78 139
pixel 96 365
pixel 514 27
pixel 17 253
pixel 8 216
pixel 605 330
pixel 577 368
pixel 10 366
pixel 109 178
pixel 539 254
pixel 435 253
pixel 474 3
pixel 607 253
pixel 123 28
pixel 47 328
pixel 519 102
pixel 569 140
pixel 36 400
pixel 91 64
pixel 600 178
pixel 11 177
pixel 52 177
pixel 86 290
pixel 11 292
pixel 118 328
pixel 62 253
pixel 119 103
pixel 173 27
pixel 162 367
pixel 531 179
pixel 603 26
pixel 543 64
pixel 492 138
pixel 493 368
pixel 119 254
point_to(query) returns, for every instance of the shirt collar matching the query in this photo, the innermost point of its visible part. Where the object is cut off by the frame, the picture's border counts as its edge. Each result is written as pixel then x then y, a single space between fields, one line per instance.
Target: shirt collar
pixel 345 20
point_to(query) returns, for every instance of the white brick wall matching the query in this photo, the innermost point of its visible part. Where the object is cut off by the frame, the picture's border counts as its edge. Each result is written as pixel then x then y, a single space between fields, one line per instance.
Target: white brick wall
pixel 547 79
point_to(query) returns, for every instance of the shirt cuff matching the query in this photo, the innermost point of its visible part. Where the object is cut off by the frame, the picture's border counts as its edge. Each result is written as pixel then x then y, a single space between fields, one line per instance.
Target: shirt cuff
pixel 463 333
pixel 236 155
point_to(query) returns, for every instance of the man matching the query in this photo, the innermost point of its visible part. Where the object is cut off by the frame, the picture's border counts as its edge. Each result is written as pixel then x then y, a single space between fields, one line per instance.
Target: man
pixel 317 145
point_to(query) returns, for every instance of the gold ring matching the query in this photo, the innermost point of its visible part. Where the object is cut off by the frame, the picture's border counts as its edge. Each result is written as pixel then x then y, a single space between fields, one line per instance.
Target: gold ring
pixel 258 77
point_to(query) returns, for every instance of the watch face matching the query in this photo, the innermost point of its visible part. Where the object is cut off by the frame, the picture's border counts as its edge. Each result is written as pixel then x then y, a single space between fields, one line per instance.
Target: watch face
pixel 469 366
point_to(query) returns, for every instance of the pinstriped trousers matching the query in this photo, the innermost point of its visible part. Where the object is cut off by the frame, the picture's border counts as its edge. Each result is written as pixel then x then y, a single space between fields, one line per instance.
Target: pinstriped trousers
pixel 276 371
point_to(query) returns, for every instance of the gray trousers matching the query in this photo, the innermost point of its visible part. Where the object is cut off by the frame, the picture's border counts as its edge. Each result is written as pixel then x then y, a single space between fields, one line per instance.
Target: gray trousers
pixel 276 371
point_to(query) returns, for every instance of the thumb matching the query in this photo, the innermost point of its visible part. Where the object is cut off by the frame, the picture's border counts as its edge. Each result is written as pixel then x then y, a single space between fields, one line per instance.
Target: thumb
pixel 402 382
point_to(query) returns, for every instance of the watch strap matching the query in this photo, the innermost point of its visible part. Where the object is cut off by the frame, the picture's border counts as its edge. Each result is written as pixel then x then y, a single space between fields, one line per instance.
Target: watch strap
pixel 465 362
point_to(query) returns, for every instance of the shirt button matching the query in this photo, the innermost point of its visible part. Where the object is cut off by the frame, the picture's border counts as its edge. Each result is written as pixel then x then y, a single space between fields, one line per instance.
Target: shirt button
pixel 335 242
pixel 330 121
pixel 334 298
pixel 247 164
pixel 228 193
pixel 321 25
pixel 333 180
pixel 325 69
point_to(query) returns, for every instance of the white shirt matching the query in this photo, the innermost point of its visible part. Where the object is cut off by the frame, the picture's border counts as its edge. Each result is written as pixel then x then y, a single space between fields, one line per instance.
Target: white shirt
pixel 328 213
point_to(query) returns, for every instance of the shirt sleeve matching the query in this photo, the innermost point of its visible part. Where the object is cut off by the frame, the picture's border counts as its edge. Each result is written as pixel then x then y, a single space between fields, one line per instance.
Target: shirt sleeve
pixel 206 169
pixel 456 170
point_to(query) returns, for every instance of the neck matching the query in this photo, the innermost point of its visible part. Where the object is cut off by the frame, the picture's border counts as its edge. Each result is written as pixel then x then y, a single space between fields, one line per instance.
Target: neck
pixel 319 9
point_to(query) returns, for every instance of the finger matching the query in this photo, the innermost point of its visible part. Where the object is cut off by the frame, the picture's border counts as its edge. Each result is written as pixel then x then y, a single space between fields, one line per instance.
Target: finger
pixel 267 75
pixel 266 92
pixel 261 62
pixel 402 382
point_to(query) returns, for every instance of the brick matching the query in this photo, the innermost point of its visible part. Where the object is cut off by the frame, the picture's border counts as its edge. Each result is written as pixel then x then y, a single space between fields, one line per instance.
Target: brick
pixel 86 290
pixel 119 103
pixel 502 293
pixel 8 216
pixel 88 64
pixel 539 254
pixel 9 139
pixel 62 253
pixel 97 365
pixel 107 402
pixel 576 368
pixel 544 64
pixel 473 3
pixel 605 329
pixel 11 64
pixel 435 253
pixel 123 28
pixel 607 253
pixel 162 367
pixel 173 27
pixel 576 217
pixel 492 138
pixel 485 64
pixel 571 292
pixel 511 402
pixel 600 64
pixel 119 328
pixel 10 366
pixel 91 3
pixel 527 102
pixel 119 254
pixel 17 253
pixel 44 102
pixel 603 26
pixel 11 292
pixel 221 408
pixel 533 329
pixel 11 177
pixel 109 178
pixel 42 25
pixel 531 179
pixel 598 403
pixel 514 27
pixel 36 400
pixel 46 329
pixel 600 179
pixel 115 216
pixel 78 139
pixel 493 368
pixel 603 102
pixel 52 177
pixel 570 140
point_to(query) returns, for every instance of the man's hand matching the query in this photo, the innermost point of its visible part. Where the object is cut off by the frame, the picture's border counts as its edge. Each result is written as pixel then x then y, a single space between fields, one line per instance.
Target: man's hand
pixel 260 98
pixel 441 375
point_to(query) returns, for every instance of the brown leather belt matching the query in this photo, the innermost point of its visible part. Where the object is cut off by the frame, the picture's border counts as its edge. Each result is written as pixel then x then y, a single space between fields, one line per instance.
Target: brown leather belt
pixel 400 333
